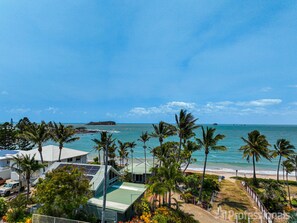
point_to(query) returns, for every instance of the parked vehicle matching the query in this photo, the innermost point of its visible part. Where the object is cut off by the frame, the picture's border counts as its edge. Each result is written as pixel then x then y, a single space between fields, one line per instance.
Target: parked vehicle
pixel 10 188
pixel 2 181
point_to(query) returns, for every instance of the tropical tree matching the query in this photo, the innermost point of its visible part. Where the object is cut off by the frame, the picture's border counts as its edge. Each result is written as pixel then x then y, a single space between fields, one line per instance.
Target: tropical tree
pixel 144 138
pixel 255 148
pixel 7 136
pixel 27 166
pixel 185 126
pixel 123 153
pixel 131 145
pixel 37 134
pixel 63 134
pixel 21 126
pixel 289 168
pixel 105 142
pixel 62 192
pixel 189 148
pixel 162 131
pixel 283 148
pixel 209 142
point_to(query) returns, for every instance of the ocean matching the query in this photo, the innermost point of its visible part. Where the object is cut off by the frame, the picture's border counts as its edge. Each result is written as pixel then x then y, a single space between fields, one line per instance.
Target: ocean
pixel 228 161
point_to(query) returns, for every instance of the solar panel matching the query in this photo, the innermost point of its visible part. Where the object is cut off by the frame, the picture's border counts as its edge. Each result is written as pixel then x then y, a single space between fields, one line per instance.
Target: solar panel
pixel 87 169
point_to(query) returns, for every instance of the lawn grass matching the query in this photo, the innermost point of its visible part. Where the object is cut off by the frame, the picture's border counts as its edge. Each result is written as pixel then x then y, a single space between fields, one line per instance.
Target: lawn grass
pixel 233 198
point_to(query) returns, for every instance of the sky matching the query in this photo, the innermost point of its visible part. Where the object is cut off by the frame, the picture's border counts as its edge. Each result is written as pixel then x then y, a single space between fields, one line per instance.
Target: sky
pixel 142 61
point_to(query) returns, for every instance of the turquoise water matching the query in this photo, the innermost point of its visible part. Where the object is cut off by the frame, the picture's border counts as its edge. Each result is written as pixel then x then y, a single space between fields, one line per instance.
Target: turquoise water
pixel 230 159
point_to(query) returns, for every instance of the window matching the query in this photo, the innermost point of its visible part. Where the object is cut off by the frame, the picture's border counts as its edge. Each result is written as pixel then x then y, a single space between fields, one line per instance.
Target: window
pixel 69 160
pixel 77 159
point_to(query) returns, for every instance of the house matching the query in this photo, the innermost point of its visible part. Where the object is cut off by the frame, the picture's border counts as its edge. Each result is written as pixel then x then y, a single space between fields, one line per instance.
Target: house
pixel 5 159
pixel 50 154
pixel 120 195
pixel 139 171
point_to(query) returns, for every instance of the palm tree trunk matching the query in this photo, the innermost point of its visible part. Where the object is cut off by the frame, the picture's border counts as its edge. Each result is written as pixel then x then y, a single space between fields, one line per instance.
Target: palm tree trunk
pixel 145 165
pixel 254 171
pixel 99 157
pixel 132 180
pixel 60 152
pixel 41 157
pixel 188 163
pixel 203 175
pixel 28 189
pixel 288 190
pixel 179 149
pixel 169 199
pixel 277 174
pixel 104 185
pixel 296 174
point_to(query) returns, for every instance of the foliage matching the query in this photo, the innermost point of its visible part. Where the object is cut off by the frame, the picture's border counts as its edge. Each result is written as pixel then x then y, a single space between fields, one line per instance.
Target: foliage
pixel 3 207
pixel 62 192
pixel 17 209
pixel 21 127
pixel 7 136
pixel 168 215
pixel 293 217
pixel 142 206
pixel 294 202
pixel 256 147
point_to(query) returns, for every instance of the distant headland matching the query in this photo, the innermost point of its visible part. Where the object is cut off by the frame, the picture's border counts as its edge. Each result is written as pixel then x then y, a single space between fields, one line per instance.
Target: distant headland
pixel 102 123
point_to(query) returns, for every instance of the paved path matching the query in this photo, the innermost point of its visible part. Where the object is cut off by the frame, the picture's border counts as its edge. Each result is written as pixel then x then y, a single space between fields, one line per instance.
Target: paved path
pixel 201 215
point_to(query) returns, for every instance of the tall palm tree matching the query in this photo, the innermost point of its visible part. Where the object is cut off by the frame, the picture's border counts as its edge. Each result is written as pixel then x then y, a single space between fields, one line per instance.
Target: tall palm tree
pixel 283 148
pixel 162 131
pixel 144 138
pixel 63 134
pixel 27 165
pixel 106 140
pixel 209 142
pixel 289 168
pixel 255 148
pixel 98 147
pixel 185 126
pixel 123 153
pixel 37 134
pixel 189 148
pixel 131 145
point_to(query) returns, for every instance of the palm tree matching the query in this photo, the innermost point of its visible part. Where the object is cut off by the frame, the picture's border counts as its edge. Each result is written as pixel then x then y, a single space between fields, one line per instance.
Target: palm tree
pixel 37 134
pixel 293 160
pixel 283 148
pixel 209 142
pixel 27 165
pixel 289 168
pixel 144 138
pixel 98 147
pixel 131 145
pixel 122 151
pixel 255 148
pixel 63 134
pixel 190 147
pixel 185 125
pixel 162 131
pixel 105 141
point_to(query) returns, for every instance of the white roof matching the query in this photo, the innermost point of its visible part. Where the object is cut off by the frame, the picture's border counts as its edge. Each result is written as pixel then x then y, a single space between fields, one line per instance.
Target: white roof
pixel 50 153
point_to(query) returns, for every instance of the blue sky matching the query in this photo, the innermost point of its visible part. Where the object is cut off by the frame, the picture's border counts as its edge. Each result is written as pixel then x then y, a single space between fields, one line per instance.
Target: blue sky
pixel 142 61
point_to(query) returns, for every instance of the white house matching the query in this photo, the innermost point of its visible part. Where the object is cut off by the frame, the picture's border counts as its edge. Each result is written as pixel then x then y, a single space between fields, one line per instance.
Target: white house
pixel 5 158
pixel 50 155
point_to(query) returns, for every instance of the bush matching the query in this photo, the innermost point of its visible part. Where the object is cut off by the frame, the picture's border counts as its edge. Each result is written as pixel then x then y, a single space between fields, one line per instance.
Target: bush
pixel 17 209
pixel 3 207
pixel 294 202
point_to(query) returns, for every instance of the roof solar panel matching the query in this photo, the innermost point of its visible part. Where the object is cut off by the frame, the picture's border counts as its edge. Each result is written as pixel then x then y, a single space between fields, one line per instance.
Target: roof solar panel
pixel 87 169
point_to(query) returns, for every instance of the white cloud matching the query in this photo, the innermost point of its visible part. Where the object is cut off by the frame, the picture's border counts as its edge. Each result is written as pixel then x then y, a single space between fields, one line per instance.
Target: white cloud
pixel 19 110
pixel 259 103
pixel 52 110
pixel 170 107
pixel 293 86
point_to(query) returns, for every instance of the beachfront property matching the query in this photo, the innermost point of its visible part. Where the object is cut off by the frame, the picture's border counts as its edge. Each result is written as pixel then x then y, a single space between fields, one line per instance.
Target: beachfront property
pixel 50 155
pixel 138 170
pixel 120 195
pixel 5 159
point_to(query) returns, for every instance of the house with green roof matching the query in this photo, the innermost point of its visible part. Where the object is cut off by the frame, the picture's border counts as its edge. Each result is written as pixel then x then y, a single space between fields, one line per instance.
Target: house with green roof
pixel 120 195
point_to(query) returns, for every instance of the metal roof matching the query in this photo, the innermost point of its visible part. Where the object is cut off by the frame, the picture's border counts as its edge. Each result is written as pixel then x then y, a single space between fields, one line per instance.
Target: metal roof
pixel 120 196
pixel 50 153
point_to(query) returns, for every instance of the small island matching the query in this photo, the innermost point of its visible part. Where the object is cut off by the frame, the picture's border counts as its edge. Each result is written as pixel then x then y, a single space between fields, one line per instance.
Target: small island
pixel 102 123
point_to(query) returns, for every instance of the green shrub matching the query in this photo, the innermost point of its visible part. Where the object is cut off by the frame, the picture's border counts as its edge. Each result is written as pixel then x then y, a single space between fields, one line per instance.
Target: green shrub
pixel 3 207
pixel 17 211
pixel 294 202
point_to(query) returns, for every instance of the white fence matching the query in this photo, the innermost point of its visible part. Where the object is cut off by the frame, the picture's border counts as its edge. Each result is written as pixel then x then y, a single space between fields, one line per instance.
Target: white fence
pixel 254 196
pixel 36 218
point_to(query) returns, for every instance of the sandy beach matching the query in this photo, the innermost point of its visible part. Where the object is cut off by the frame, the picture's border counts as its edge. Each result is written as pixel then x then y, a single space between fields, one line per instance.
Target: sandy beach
pixel 228 175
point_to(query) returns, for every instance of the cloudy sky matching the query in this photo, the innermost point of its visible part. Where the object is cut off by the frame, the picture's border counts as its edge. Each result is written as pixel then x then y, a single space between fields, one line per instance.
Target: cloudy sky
pixel 142 61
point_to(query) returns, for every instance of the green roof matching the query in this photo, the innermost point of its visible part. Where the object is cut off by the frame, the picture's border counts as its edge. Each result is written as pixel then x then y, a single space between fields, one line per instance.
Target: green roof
pixel 120 196
pixel 139 168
